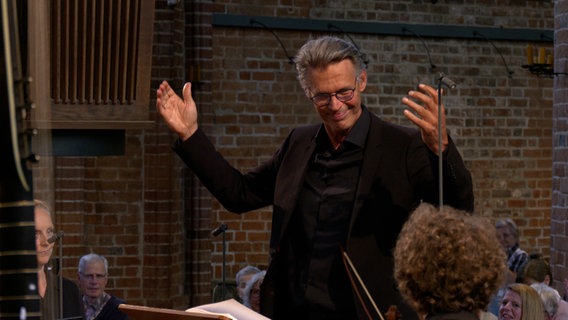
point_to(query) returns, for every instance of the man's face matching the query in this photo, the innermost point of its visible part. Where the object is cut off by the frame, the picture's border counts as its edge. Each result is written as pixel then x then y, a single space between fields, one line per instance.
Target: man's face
pixel 506 237
pixel 338 116
pixel 43 230
pixel 93 279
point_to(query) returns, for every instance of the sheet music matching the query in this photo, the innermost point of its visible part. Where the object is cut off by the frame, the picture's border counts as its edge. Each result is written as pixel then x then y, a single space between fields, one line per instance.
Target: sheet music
pixel 230 308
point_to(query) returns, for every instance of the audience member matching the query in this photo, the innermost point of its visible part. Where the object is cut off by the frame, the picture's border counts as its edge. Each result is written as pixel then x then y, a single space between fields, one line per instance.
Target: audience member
pixel 93 278
pixel 251 292
pixel 521 302
pixel 536 272
pixel 552 302
pixel 508 234
pixel 328 181
pixel 49 288
pixel 448 263
pixel 242 277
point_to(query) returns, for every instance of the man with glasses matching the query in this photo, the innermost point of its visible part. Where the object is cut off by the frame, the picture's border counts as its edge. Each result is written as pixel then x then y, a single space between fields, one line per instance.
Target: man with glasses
pixel 347 183
pixel 93 278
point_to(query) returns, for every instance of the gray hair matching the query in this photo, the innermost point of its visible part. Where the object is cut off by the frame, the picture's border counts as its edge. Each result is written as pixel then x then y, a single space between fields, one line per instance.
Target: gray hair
pixel 321 52
pixel 550 297
pixel 509 223
pixel 246 271
pixel 90 258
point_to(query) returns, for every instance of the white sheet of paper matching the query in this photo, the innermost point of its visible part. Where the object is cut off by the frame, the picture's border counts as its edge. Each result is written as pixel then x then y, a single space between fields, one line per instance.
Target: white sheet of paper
pixel 230 308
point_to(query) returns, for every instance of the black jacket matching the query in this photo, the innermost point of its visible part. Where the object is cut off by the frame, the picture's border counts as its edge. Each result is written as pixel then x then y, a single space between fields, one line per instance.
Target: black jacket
pixel 398 172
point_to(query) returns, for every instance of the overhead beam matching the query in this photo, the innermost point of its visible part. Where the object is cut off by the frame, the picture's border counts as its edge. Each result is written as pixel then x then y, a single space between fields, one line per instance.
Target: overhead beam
pixel 383 28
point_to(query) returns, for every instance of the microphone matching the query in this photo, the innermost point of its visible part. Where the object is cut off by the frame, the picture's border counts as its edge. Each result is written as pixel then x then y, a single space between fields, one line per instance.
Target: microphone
pixel 447 81
pixel 220 229
pixel 56 237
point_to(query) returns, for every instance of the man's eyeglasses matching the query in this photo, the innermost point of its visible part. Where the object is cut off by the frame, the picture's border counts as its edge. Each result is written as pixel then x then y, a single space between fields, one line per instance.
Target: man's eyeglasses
pixel 94 276
pixel 324 99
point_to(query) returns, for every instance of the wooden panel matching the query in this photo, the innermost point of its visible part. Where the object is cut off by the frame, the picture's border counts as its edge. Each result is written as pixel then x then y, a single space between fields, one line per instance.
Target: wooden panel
pixel 100 62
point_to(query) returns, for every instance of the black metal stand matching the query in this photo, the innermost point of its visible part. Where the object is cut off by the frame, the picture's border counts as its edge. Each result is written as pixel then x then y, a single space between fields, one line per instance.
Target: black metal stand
pixel 543 70
pixel 440 162
pixel 442 80
pixel 224 283
pixel 221 229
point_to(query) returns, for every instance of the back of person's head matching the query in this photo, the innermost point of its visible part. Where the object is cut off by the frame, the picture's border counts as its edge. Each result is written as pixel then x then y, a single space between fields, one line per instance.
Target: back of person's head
pixel 550 298
pixel 448 261
pixel 324 51
pixel 535 269
pixel 92 258
pixel 532 305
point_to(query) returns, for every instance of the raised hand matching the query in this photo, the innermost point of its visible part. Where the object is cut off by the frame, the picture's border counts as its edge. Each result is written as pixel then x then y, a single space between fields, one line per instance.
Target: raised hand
pixel 180 115
pixel 424 114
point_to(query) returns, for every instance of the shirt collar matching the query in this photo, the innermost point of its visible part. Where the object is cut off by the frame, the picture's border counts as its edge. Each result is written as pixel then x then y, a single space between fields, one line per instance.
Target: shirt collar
pixel 96 303
pixel 356 136
pixel 512 249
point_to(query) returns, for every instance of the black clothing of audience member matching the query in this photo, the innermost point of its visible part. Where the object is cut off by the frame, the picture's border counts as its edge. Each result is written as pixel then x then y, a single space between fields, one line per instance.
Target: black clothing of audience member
pixel 350 181
pixel 49 303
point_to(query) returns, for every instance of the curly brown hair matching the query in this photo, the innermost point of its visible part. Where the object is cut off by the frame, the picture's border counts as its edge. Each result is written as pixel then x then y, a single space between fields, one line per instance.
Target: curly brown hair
pixel 448 261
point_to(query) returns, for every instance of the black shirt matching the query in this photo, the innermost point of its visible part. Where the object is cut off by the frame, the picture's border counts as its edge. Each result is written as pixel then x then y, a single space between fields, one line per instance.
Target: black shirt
pixel 317 281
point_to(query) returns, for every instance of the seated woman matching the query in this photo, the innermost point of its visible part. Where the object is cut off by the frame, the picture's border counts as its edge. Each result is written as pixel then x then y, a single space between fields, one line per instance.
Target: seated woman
pixel 447 263
pixel 521 302
pixel 48 282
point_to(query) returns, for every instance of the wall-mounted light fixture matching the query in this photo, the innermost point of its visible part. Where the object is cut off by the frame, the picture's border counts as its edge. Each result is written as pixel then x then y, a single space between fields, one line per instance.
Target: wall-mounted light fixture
pixel 543 65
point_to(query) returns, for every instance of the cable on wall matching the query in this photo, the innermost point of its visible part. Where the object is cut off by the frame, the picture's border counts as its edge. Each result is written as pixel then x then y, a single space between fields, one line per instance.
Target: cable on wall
pixel 509 71
pixel 432 66
pixel 332 26
pixel 290 58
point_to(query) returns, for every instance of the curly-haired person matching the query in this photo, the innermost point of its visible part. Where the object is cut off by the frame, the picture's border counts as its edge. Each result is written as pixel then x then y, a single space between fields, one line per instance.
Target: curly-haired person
pixel 448 263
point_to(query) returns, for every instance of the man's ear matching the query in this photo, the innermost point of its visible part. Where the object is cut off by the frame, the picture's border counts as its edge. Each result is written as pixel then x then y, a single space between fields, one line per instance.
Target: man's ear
pixel 362 79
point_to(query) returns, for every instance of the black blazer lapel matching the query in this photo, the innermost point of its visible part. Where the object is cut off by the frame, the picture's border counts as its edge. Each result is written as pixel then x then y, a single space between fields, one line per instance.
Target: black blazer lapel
pixel 296 157
pixel 371 160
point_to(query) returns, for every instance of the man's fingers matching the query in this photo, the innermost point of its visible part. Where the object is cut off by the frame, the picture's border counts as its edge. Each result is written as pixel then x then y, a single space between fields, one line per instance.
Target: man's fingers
pixel 187 92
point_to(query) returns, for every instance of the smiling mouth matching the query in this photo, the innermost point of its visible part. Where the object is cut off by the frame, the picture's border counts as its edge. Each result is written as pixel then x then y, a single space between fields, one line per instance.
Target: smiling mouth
pixel 340 115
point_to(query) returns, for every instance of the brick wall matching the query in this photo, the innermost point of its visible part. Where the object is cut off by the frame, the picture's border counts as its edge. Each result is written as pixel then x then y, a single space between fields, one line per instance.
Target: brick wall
pixel 501 124
pixel 151 217
pixel 558 216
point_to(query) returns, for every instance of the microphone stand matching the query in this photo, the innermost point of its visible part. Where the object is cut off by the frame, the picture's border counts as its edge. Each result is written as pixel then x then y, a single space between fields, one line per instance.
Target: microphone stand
pixel 224 289
pixel 450 84
pixel 58 237
pixel 221 229
pixel 440 162
pixel 60 271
